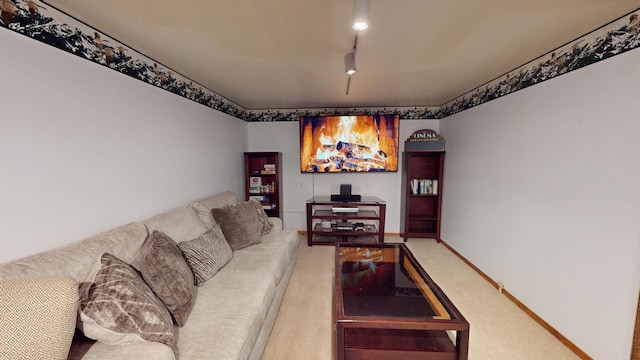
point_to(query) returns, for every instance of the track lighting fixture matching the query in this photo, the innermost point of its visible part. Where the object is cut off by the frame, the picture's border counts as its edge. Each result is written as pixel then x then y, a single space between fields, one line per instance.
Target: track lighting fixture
pixel 360 14
pixel 350 63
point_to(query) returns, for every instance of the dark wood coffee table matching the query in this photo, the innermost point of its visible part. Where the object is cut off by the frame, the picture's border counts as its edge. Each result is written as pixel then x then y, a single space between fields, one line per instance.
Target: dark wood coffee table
pixel 385 306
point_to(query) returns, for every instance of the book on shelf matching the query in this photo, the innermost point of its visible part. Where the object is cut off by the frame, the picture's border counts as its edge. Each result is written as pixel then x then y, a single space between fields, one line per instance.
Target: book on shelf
pixel 267 172
pixel 255 189
pixel 255 181
pixel 414 186
pixel 269 188
pixel 424 186
pixel 270 167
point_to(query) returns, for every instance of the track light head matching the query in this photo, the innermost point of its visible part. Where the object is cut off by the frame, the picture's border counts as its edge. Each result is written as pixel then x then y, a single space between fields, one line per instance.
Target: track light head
pixel 360 14
pixel 350 63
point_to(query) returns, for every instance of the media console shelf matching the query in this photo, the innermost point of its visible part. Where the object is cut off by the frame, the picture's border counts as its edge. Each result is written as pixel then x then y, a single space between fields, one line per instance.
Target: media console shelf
pixel 340 219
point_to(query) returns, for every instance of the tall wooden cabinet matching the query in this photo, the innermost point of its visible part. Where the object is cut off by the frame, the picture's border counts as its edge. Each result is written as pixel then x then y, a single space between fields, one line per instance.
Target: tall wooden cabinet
pixel 423 166
pixel 263 180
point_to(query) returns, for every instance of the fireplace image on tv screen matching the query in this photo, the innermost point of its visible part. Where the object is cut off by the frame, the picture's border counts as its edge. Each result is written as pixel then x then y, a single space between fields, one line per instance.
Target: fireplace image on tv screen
pixel 331 144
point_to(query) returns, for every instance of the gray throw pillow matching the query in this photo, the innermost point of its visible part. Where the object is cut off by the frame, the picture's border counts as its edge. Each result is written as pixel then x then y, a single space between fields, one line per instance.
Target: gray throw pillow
pixel 206 254
pixel 239 223
pixel 262 217
pixel 121 309
pixel 168 275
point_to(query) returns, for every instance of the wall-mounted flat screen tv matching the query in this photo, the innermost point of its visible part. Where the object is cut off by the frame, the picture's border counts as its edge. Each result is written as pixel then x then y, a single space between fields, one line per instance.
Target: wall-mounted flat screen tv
pixel 332 144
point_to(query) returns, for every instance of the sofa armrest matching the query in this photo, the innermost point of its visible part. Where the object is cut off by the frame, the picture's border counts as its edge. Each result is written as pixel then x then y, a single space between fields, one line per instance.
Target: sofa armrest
pixel 277 225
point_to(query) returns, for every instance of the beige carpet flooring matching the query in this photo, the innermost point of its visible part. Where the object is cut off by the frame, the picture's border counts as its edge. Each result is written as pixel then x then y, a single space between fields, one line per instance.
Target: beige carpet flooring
pixel 499 329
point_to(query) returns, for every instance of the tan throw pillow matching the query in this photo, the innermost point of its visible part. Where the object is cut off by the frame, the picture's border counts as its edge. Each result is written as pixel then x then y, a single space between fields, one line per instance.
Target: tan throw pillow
pixel 239 223
pixel 206 254
pixel 168 275
pixel 262 217
pixel 37 317
pixel 121 309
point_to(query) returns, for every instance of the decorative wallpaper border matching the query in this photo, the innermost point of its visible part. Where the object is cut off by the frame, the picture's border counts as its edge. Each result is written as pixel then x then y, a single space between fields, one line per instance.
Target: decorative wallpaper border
pixel 429 112
pixel 612 39
pixel 42 22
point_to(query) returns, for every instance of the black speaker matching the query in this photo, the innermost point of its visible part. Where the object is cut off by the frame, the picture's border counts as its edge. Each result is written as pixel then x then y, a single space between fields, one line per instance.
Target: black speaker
pixel 345 194
pixel 345 198
pixel 345 189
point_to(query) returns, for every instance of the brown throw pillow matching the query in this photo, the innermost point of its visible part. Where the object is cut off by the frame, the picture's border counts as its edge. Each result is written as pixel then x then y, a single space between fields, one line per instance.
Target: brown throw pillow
pixel 239 223
pixel 168 275
pixel 262 217
pixel 206 254
pixel 120 309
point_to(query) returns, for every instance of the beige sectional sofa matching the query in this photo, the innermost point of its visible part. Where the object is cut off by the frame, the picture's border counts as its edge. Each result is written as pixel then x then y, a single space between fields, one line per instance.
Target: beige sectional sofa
pixel 233 312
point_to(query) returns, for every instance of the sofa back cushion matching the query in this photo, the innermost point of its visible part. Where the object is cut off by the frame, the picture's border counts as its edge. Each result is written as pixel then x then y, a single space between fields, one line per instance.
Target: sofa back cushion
pixel 78 259
pixel 203 207
pixel 180 224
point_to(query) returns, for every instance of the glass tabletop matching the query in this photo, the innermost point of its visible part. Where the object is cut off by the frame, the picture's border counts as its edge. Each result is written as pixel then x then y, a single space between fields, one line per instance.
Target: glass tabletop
pixel 385 281
pixel 363 200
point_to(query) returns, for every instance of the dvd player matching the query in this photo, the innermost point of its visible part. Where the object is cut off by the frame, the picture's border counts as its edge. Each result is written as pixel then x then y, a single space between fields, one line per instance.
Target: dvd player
pixel 344 209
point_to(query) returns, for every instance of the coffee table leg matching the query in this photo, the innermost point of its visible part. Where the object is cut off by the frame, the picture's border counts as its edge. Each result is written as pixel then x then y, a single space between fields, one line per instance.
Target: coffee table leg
pixel 339 342
pixel 462 344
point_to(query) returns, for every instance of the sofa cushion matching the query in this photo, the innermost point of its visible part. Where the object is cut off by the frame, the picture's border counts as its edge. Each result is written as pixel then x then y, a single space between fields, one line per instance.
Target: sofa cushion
pixel 87 349
pixel 206 254
pixel 271 256
pixel 239 223
pixel 228 316
pixel 263 218
pixel 167 274
pixel 119 308
pixel 38 317
pixel 203 207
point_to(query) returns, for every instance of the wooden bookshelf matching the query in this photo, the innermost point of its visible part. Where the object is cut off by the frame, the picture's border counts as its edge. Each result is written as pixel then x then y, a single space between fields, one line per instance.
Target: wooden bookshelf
pixel 422 175
pixel 263 180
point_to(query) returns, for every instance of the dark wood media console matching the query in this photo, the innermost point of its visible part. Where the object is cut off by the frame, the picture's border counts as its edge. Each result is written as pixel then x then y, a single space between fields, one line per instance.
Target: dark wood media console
pixel 370 211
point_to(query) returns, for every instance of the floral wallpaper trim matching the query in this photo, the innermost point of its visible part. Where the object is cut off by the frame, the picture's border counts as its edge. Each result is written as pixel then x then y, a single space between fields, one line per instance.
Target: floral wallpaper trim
pixel 612 39
pixel 431 112
pixel 53 27
pixel 42 22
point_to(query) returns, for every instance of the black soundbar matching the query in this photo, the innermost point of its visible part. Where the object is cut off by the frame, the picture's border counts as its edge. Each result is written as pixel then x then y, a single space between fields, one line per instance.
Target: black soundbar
pixel 345 198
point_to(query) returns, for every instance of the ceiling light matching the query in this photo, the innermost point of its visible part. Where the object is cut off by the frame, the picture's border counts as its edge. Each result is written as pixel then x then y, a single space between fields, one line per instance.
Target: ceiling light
pixel 360 14
pixel 350 63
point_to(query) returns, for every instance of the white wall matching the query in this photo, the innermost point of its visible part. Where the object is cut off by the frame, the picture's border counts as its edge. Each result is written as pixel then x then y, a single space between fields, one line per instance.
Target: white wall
pixel 298 187
pixel 543 193
pixel 84 148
